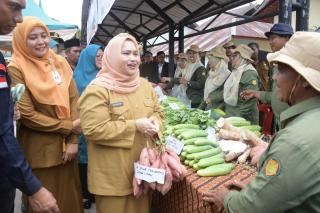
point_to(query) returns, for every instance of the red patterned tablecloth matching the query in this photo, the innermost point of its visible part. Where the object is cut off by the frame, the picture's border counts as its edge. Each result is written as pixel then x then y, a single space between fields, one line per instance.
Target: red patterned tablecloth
pixel 186 196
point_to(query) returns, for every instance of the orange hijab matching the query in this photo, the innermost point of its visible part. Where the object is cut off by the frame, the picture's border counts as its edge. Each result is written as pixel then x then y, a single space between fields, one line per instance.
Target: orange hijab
pixel 113 74
pixel 38 72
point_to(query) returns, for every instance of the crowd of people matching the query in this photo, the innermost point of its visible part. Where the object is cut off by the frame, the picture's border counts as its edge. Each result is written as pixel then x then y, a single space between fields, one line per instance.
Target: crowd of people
pixel 87 113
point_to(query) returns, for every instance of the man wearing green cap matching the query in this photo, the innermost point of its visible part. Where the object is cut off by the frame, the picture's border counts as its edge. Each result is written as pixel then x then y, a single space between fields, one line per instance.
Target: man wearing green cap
pixel 288 172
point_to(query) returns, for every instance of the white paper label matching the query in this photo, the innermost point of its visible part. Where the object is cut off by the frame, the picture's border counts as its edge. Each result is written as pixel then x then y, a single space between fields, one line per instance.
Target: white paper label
pixel 149 174
pixel 211 134
pixel 56 77
pixel 174 106
pixel 174 144
pixel 159 93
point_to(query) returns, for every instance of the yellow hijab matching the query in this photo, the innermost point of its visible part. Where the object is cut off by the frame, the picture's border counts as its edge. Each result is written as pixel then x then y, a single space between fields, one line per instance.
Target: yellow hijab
pixel 113 74
pixel 38 72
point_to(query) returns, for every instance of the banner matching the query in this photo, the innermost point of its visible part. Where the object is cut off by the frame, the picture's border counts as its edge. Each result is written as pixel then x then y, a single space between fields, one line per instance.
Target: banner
pixel 98 11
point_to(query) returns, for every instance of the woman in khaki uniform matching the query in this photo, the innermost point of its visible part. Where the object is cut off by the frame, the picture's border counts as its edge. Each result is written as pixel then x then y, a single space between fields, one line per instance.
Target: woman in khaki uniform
pixel 49 118
pixel 119 113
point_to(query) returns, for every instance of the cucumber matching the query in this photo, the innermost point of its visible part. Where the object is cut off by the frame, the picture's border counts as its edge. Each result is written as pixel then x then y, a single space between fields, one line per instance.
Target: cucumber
pixel 195 166
pixel 216 170
pixel 207 153
pixel 185 126
pixel 193 134
pixel 194 149
pixel 205 162
pixel 220 112
pixel 188 147
pixel 219 155
pixel 182 158
pixel 196 160
pixel 179 131
pixel 238 121
pixel 183 154
pixel 191 163
pixel 186 162
pixel 201 142
pixel 192 140
pixel 253 128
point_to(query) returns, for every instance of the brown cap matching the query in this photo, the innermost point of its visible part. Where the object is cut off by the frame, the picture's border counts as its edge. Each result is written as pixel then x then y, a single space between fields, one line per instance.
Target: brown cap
pixel 218 52
pixel 245 51
pixel 194 48
pixel 301 53
pixel 229 44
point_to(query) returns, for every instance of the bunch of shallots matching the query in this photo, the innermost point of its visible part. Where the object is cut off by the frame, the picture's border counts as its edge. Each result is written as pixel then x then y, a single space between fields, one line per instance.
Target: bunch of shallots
pixel 165 159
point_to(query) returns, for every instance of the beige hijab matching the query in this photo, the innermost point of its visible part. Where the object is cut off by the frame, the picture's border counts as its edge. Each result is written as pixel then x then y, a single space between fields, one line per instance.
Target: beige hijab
pixel 217 76
pixel 113 74
pixel 231 86
pixel 192 67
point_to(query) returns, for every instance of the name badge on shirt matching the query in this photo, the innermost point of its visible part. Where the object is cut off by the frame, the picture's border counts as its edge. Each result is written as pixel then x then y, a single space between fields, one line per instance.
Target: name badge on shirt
pixel 117 104
pixel 56 77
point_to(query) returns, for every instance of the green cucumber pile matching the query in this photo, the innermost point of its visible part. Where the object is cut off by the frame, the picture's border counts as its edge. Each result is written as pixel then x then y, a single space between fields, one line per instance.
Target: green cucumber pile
pixel 199 152
pixel 244 124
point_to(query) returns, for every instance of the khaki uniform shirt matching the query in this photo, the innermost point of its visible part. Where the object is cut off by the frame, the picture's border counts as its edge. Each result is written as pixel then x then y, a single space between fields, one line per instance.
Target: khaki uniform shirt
pixel 40 131
pixel 247 109
pixel 288 177
pixel 114 144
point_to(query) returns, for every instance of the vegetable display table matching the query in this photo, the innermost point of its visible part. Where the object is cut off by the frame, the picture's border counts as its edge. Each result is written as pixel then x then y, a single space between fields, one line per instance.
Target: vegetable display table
pixel 186 196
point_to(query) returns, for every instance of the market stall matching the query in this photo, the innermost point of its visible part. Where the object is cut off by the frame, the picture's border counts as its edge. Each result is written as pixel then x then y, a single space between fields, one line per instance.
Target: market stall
pixel 186 196
pixel 214 149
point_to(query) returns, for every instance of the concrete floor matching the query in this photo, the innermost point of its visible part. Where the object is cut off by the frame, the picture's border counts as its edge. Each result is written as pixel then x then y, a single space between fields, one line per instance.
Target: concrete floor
pixel 17 202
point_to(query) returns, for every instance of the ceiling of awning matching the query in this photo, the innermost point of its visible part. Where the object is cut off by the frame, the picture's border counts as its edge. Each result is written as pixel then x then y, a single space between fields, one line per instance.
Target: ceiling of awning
pixel 145 19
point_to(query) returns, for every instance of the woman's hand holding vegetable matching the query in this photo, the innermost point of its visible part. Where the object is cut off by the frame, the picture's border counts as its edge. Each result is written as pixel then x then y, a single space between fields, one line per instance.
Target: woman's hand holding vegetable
pixel 147 126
